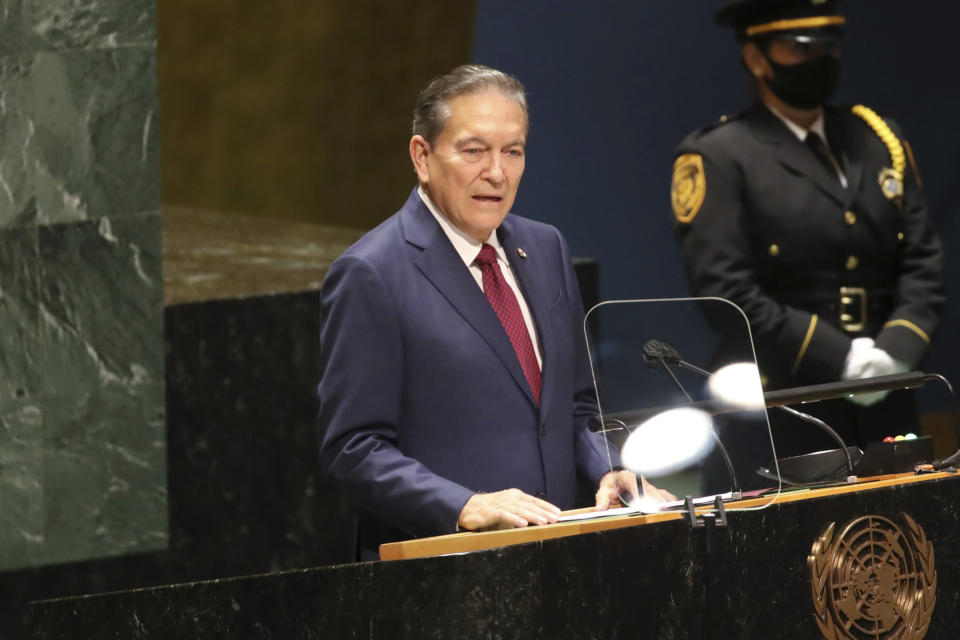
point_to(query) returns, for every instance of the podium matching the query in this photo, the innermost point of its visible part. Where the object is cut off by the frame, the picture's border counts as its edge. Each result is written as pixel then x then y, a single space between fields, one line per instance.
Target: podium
pixel 624 577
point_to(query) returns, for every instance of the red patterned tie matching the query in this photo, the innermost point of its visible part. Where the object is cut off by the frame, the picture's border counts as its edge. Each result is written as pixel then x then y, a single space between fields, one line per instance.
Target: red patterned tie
pixel 505 305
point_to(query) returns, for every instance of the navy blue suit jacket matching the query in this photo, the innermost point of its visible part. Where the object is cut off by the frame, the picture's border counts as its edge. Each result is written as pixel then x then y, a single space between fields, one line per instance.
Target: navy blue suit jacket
pixel 422 399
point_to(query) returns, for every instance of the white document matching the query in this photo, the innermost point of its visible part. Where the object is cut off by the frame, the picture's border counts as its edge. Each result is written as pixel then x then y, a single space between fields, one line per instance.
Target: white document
pixel 648 507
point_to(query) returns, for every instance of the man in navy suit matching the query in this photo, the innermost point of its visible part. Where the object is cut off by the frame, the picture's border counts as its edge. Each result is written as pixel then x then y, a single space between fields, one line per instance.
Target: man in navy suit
pixel 456 388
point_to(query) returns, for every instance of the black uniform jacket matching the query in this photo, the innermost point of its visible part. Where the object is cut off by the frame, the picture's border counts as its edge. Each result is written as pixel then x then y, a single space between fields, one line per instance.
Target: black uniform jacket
pixel 772 229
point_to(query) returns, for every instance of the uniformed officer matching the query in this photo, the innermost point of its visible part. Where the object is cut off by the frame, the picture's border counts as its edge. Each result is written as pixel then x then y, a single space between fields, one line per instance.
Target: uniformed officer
pixel 812 219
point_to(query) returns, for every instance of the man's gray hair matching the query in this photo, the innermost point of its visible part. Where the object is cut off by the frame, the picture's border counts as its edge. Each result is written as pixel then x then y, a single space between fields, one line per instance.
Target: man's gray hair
pixel 431 112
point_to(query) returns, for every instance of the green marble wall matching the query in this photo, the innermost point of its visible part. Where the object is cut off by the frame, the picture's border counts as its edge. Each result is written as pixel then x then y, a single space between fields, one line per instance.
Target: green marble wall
pixel 82 443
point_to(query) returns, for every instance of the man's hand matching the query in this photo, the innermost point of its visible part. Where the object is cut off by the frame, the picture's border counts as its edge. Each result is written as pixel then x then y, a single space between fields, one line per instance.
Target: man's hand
pixel 505 510
pixel 614 484
pixel 617 483
pixel 657 495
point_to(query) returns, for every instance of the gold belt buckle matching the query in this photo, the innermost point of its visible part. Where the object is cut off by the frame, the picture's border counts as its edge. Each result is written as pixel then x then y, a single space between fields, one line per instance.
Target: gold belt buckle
pixel 853 308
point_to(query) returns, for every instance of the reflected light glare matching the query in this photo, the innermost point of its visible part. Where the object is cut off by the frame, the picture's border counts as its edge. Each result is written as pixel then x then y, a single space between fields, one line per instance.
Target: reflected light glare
pixel 738 384
pixel 646 504
pixel 669 441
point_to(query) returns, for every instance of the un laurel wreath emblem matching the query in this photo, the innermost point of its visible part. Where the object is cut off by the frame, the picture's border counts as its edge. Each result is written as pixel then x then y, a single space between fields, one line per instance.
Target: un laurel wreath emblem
pixel 873 580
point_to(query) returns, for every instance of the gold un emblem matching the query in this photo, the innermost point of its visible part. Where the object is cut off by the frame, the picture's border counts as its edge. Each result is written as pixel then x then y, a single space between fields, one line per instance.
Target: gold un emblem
pixel 873 580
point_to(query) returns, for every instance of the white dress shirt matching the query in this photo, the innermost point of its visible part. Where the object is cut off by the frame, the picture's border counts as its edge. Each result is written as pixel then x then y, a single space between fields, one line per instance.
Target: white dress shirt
pixel 469 249
pixel 818 128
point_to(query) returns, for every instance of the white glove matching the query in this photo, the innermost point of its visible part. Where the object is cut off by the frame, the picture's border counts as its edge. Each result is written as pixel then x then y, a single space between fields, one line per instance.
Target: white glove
pixel 857 358
pixel 867 361
pixel 883 364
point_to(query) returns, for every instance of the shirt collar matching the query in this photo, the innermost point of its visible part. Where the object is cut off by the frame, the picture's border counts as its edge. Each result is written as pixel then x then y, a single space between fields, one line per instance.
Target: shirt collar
pixel 801 133
pixel 467 247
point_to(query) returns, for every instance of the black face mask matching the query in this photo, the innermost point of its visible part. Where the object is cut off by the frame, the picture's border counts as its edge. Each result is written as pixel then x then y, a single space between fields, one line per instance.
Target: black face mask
pixel 806 85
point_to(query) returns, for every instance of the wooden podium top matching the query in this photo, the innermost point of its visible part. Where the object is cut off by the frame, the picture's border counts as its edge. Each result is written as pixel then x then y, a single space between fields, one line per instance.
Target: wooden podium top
pixel 475 541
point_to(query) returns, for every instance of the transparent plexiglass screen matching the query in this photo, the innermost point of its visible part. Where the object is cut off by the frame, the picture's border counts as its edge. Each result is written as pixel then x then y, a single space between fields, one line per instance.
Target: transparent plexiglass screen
pixel 680 399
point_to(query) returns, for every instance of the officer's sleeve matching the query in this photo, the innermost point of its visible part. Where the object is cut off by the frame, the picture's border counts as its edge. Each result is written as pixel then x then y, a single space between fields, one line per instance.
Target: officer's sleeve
pixel 920 294
pixel 360 393
pixel 712 230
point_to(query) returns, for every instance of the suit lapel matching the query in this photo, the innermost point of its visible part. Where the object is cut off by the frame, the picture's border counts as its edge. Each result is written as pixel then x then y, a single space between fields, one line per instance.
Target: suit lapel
pixel 529 274
pixel 794 154
pixel 442 266
pixel 843 145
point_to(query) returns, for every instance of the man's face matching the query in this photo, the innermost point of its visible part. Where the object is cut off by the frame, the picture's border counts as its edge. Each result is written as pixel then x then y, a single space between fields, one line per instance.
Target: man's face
pixel 473 168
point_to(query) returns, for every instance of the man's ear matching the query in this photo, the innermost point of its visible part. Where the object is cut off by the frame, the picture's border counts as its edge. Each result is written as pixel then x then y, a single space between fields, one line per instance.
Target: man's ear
pixel 755 61
pixel 419 151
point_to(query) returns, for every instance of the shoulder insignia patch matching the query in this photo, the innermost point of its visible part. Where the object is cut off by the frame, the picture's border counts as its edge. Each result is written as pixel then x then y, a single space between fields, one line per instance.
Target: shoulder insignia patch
pixel 689 186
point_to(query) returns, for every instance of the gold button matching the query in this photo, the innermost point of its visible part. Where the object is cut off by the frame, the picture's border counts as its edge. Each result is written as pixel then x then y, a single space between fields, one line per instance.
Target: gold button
pixel 852 263
pixel 723 118
pixel 900 236
pixel 850 217
pixel 774 250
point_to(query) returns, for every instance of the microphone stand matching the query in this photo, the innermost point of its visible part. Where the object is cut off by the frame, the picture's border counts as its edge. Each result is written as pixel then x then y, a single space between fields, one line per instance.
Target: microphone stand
pixel 735 491
pixel 851 476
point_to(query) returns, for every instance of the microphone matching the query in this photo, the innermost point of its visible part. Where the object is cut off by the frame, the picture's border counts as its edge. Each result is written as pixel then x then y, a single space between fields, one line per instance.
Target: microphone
pixel 659 355
pixel 656 354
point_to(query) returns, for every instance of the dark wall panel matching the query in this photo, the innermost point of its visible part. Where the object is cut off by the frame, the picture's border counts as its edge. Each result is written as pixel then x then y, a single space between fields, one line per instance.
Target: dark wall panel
pixel 295 109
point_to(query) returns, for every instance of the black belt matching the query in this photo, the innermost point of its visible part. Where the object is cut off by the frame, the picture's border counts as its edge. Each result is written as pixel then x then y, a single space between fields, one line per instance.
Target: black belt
pixel 852 309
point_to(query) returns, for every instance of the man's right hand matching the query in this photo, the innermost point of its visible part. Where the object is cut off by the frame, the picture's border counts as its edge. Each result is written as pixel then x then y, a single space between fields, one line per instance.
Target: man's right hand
pixel 505 510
